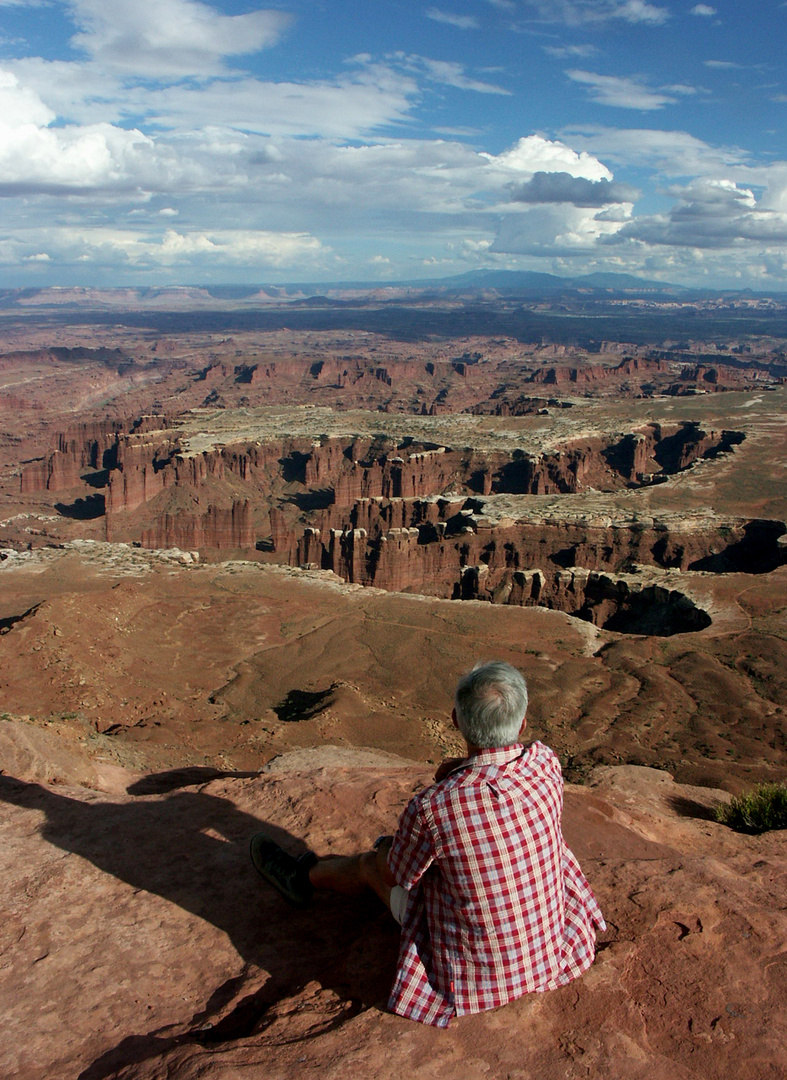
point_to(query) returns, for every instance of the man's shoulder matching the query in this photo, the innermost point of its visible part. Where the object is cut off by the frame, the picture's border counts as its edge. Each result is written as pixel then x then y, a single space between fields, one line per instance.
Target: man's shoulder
pixel 542 756
pixel 522 759
pixel 532 763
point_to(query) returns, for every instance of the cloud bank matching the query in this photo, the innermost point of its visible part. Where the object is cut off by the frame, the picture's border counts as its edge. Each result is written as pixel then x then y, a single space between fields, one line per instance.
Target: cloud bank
pixel 163 141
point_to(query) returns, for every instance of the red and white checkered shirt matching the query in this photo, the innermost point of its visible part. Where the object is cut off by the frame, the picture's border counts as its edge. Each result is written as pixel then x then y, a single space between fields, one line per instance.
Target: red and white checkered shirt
pixel 499 906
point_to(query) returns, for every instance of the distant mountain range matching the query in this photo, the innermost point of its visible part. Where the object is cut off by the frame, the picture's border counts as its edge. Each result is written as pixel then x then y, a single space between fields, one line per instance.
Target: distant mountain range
pixel 525 282
pixel 532 281
pixel 473 286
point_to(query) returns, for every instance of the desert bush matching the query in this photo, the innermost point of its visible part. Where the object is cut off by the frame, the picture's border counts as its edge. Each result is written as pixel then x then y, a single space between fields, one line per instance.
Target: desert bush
pixel 757 811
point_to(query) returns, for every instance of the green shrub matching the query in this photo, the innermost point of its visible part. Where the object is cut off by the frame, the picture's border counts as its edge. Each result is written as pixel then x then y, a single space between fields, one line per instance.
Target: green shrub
pixel 757 811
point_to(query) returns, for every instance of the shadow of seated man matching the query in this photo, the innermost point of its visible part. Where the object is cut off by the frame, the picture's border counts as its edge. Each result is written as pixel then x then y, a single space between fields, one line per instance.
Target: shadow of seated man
pixel 189 847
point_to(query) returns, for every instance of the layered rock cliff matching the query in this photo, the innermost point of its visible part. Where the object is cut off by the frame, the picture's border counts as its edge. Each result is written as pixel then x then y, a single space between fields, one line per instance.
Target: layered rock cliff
pixel 405 515
pixel 87 447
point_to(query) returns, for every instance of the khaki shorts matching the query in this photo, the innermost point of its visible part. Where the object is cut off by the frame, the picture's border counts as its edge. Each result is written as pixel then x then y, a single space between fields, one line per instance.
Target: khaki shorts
pixel 399 897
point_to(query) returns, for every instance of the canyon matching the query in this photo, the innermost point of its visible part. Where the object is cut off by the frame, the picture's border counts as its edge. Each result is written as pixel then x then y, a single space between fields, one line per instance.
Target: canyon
pixel 241 567
pixel 404 514
pixel 645 515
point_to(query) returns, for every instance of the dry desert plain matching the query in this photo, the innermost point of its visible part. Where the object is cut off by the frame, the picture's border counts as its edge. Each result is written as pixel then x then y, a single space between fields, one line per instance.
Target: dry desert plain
pixel 241 570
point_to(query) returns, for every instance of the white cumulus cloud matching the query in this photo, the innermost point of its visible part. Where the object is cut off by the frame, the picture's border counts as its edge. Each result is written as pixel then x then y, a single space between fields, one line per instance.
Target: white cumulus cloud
pixel 170 37
pixel 20 106
pixel 534 153
pixel 35 156
pixel 710 214
pixel 550 231
pixel 145 250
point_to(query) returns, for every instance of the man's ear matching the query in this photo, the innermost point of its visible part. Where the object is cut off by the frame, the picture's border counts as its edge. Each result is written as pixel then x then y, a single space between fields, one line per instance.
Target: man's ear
pixel 524 724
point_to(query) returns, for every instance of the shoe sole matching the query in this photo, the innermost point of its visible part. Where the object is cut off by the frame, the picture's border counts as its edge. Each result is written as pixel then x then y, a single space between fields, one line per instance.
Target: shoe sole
pixel 255 844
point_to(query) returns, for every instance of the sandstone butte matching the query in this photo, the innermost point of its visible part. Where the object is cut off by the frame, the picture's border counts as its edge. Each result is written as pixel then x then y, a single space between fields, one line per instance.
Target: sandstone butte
pixel 159 706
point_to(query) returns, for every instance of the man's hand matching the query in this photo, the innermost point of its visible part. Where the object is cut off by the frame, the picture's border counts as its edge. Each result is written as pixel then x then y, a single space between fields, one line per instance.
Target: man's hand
pixel 447 766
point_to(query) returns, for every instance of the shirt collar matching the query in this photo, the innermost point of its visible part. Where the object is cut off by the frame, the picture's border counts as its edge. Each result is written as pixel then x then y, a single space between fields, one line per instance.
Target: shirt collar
pixel 500 755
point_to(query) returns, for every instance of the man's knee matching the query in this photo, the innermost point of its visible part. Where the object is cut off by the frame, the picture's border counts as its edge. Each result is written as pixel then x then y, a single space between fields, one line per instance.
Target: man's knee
pixel 376 874
pixel 368 866
pixel 383 869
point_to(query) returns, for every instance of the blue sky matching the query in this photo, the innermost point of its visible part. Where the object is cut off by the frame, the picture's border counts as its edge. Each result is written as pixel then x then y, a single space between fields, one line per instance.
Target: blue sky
pixel 170 141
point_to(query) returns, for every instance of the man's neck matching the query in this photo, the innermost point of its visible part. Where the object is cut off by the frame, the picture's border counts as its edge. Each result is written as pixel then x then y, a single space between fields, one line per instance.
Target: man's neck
pixel 473 750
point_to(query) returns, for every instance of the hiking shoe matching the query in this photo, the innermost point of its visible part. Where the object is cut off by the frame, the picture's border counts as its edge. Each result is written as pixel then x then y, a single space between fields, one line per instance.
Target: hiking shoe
pixel 288 875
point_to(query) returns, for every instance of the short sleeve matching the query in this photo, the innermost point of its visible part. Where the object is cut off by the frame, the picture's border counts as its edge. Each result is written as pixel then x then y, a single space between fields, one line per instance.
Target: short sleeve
pixel 412 851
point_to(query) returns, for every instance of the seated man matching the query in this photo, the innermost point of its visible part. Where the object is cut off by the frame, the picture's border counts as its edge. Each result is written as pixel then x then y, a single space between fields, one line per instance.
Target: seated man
pixel 491 902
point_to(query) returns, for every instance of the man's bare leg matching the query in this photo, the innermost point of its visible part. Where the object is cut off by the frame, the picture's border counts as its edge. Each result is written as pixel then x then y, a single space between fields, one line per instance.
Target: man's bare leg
pixel 351 875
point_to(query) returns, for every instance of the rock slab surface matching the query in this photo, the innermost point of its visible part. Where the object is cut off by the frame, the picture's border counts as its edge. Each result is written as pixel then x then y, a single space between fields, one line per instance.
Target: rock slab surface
pixel 137 942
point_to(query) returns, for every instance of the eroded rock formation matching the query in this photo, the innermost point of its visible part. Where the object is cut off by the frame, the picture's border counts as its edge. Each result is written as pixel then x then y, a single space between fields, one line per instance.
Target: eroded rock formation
pixel 405 515
pixel 362 468
pixel 221 529
pixel 83 448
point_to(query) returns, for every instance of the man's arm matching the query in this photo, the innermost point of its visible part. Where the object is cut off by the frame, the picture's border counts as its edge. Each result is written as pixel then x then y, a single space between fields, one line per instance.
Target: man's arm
pixel 412 850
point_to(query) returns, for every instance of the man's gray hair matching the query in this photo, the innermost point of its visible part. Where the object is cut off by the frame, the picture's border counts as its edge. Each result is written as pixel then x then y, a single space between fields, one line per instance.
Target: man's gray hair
pixel 491 702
